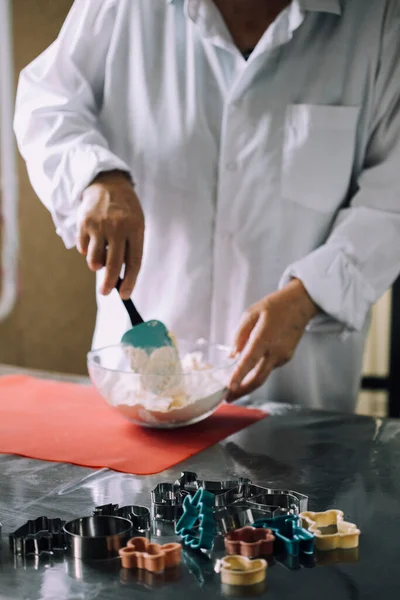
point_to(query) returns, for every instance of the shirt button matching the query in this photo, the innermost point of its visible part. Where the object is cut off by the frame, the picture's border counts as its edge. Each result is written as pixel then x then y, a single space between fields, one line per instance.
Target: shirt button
pixel 231 166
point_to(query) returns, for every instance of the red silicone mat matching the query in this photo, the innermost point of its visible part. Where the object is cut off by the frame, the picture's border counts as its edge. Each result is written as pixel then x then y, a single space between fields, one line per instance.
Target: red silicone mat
pixel 65 422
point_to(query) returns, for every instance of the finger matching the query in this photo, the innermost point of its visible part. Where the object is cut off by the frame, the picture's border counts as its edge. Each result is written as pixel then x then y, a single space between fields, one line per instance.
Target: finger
pixel 255 379
pixel 133 261
pixel 82 241
pixel 246 326
pixel 114 262
pixel 96 252
pixel 252 353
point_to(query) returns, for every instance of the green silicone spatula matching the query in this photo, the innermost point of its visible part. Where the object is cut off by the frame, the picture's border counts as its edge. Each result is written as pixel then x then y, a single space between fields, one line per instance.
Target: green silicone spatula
pixel 147 335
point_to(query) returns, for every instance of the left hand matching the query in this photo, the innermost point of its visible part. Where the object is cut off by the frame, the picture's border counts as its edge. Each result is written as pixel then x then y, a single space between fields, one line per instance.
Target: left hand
pixel 268 336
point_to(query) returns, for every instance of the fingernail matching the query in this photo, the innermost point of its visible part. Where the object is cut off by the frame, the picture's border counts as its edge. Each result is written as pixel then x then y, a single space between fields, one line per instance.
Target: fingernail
pixel 234 387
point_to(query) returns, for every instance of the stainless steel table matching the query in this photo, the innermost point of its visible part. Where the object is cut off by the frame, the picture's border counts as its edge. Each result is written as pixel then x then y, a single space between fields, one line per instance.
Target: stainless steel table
pixel 347 462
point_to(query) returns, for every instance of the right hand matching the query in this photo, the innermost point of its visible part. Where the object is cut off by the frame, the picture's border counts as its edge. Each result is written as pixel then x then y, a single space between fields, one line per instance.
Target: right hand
pixel 111 230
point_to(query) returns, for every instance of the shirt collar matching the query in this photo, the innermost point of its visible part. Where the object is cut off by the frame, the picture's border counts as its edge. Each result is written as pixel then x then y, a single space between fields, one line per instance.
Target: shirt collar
pixel 329 6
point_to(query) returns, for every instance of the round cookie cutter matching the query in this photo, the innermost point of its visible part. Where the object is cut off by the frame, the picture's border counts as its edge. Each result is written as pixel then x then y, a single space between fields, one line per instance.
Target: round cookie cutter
pixel 97 537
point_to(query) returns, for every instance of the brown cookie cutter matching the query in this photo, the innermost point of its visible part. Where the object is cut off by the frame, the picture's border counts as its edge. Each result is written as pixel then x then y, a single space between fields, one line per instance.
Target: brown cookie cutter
pixel 330 530
pixel 139 553
pixel 240 570
pixel 250 542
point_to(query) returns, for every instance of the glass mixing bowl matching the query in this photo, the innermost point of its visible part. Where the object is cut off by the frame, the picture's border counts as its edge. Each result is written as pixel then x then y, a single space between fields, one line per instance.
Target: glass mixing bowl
pixel 191 396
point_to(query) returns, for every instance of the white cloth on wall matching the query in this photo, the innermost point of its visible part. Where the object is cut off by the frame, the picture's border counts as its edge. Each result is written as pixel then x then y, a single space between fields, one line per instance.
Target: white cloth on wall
pixel 249 172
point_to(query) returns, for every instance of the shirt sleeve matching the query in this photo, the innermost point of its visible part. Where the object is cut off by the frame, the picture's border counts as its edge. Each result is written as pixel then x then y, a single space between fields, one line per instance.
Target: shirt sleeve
pixel 361 257
pixel 59 96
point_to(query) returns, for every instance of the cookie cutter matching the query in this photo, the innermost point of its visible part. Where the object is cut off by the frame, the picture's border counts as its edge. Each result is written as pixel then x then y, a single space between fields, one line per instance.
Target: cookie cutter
pixel 37 536
pixel 139 553
pixel 226 491
pixel 166 502
pixel 138 515
pixel 291 539
pixel 330 530
pixel 196 526
pixel 167 499
pixel 97 537
pixel 237 516
pixel 289 501
pixel 242 571
pixel 263 499
pixel 250 542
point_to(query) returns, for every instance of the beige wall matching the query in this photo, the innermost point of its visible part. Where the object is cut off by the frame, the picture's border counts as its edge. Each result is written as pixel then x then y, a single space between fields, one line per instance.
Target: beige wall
pixel 52 324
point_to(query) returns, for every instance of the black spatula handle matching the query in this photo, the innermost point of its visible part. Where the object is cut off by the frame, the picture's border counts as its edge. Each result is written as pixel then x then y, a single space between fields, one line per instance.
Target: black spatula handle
pixel 134 316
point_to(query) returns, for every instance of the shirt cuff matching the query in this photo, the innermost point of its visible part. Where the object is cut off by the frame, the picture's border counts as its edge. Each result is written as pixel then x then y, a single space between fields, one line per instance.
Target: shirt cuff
pixel 79 169
pixel 336 286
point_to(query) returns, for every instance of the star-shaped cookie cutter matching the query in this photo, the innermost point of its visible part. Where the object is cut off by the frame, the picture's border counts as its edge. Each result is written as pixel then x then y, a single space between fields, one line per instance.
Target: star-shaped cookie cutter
pixel 330 530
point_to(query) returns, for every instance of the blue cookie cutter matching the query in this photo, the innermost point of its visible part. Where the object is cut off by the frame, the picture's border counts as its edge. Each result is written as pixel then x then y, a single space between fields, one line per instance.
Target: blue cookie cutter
pixel 196 526
pixel 290 537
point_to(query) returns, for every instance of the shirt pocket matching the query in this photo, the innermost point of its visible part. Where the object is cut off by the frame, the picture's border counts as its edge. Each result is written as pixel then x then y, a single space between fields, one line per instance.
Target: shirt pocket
pixel 318 154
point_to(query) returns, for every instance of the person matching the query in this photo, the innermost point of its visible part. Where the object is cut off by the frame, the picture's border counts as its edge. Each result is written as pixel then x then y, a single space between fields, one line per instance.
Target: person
pixel 230 157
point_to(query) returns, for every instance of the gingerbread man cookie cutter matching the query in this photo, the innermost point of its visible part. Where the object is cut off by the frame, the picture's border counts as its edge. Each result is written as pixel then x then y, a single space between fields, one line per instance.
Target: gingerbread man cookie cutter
pixel 330 530
pixel 139 553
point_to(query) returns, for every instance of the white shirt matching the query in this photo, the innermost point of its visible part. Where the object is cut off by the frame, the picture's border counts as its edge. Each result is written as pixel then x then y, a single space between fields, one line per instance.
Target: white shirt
pixel 249 172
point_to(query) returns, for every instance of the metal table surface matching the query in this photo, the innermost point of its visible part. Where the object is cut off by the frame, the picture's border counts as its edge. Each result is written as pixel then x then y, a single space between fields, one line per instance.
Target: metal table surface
pixel 346 462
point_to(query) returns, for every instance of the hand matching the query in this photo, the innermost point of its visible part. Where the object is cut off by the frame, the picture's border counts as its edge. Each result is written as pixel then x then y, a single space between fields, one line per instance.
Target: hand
pixel 268 335
pixel 111 230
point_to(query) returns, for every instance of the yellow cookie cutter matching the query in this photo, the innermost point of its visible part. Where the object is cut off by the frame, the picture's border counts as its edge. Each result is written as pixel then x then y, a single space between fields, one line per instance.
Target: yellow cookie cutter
pixel 339 534
pixel 240 570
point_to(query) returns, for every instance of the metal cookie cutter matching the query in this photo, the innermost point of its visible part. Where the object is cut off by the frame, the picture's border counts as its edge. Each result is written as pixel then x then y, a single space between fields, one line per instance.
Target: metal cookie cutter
pixel 138 515
pixel 225 492
pixel 237 516
pixel 166 502
pixel 97 537
pixel 288 502
pixel 37 536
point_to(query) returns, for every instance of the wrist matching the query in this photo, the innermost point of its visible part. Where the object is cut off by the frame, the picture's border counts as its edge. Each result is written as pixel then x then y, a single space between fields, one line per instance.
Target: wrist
pixel 114 176
pixel 307 306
